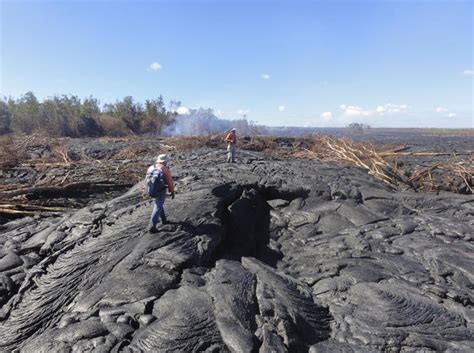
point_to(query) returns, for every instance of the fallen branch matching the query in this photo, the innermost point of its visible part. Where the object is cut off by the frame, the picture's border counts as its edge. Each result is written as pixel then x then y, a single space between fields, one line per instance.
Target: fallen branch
pixel 450 174
pixel 31 208
pixel 52 191
pixel 430 154
pixel 16 212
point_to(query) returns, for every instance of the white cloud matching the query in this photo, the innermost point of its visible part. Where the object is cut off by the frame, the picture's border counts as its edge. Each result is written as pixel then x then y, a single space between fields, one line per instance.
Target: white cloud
pixel 441 110
pixel 243 111
pixel 468 72
pixel 182 110
pixel 447 113
pixel 281 108
pixel 354 110
pixel 265 76
pixel 391 108
pixel 326 116
pixel 154 66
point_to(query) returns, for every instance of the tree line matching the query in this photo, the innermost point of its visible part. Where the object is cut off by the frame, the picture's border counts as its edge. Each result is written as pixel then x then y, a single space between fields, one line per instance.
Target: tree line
pixel 69 116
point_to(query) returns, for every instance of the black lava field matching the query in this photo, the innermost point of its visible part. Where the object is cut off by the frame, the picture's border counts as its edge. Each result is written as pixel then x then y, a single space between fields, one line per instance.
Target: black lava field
pixel 265 255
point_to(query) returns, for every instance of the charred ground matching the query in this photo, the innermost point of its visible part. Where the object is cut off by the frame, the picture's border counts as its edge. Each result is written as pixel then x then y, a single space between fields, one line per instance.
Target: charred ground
pixel 270 254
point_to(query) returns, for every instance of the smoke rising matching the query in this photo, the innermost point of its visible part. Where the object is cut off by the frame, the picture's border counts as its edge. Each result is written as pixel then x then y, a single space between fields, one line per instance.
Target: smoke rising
pixel 202 121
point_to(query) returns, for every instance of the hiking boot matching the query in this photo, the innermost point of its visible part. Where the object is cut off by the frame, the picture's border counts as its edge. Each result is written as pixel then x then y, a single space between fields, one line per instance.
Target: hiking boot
pixel 152 229
pixel 164 221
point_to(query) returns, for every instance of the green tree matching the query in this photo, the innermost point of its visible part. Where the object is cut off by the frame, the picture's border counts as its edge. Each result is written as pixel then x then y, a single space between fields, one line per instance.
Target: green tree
pixel 61 115
pixel 5 117
pixel 69 116
pixel 25 115
pixel 156 116
pixel 128 111
pixel 90 113
pixel 90 108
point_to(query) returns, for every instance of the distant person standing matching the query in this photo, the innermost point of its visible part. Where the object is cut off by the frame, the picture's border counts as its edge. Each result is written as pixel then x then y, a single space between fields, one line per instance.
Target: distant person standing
pixel 231 140
pixel 158 179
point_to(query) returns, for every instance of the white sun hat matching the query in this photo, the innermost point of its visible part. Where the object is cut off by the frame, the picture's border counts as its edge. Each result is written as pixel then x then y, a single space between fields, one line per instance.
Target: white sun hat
pixel 162 158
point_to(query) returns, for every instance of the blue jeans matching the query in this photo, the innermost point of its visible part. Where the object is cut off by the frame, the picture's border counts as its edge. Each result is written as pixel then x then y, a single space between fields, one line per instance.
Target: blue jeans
pixel 158 209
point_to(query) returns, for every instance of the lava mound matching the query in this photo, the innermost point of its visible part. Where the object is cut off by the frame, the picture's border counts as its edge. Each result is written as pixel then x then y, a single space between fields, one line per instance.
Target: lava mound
pixel 265 255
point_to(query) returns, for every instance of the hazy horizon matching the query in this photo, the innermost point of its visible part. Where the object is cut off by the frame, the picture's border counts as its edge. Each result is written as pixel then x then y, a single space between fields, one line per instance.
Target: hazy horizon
pixel 389 64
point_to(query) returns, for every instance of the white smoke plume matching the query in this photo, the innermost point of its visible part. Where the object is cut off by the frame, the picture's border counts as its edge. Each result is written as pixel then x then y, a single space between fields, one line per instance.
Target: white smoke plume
pixel 198 122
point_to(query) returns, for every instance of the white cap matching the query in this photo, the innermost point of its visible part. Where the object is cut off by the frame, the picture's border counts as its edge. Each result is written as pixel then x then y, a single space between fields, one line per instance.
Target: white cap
pixel 162 158
pixel 233 129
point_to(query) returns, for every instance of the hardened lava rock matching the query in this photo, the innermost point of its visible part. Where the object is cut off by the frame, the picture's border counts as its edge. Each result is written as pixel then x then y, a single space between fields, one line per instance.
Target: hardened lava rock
pixel 265 255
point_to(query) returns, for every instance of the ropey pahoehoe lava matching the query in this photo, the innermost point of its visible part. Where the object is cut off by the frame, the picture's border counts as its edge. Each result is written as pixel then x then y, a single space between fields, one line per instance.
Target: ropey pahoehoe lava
pixel 266 255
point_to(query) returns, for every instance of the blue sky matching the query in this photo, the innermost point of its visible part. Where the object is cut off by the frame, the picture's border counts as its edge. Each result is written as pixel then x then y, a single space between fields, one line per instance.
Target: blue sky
pixel 299 63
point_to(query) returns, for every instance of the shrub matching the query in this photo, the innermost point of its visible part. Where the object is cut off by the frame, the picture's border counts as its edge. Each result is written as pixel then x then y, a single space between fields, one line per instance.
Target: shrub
pixel 112 126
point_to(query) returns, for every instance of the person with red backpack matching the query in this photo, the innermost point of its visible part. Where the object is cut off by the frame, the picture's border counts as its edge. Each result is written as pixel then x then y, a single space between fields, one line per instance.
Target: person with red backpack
pixel 158 179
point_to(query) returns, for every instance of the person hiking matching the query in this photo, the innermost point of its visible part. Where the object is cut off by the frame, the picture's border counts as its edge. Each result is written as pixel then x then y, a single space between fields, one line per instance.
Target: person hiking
pixel 158 179
pixel 231 140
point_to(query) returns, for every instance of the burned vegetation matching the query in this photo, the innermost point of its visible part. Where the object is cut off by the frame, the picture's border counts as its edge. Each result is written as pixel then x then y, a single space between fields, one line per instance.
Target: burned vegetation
pixel 53 175
pixel 306 245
